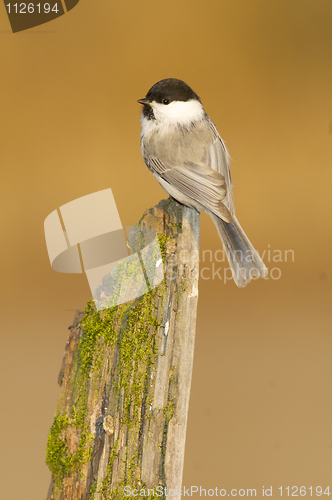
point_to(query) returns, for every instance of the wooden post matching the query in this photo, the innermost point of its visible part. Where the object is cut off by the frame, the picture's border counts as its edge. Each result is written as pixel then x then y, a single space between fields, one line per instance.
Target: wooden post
pixel 121 419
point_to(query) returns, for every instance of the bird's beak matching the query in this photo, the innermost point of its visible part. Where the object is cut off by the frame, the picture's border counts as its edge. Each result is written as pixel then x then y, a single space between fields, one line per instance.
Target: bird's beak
pixel 144 101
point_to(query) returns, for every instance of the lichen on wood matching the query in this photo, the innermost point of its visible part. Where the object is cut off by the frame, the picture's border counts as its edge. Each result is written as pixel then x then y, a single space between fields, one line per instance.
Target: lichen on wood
pixel 126 373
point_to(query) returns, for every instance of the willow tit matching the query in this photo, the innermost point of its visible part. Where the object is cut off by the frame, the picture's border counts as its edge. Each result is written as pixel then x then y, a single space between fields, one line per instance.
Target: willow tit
pixel 181 146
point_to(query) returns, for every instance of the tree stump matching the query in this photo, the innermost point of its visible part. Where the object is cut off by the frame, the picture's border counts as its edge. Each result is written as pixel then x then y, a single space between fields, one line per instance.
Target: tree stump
pixel 120 424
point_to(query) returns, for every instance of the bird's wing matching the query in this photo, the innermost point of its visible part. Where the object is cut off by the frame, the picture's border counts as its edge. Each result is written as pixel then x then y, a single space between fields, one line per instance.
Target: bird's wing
pixel 217 157
pixel 198 181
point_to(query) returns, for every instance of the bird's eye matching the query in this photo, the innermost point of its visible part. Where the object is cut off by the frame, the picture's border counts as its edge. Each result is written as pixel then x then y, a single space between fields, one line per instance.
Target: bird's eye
pixel 166 101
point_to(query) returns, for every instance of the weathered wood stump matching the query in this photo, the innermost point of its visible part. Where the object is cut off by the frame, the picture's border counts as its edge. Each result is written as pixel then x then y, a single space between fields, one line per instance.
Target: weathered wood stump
pixel 121 419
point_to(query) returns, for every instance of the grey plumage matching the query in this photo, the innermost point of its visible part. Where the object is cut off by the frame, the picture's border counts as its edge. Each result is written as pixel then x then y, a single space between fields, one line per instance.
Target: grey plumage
pixel 183 149
pixel 242 257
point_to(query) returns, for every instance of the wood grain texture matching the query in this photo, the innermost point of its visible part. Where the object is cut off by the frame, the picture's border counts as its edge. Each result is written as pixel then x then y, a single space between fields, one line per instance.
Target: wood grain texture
pixel 126 375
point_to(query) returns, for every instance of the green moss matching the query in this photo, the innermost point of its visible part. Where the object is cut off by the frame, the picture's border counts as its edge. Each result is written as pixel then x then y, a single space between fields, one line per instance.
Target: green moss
pixel 57 456
pixel 177 226
pixel 163 239
pixel 93 489
pixel 62 462
pixel 137 351
pixel 130 331
pixel 168 412
pixel 59 460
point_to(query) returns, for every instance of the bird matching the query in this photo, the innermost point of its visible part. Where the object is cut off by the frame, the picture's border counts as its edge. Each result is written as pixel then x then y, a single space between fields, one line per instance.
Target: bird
pixel 182 148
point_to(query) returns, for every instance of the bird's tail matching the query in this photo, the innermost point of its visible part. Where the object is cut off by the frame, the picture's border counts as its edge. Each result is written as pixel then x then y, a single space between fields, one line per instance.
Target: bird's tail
pixel 243 259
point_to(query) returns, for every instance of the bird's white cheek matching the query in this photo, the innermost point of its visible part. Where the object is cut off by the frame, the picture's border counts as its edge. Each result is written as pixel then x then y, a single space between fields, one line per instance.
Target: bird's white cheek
pixel 178 112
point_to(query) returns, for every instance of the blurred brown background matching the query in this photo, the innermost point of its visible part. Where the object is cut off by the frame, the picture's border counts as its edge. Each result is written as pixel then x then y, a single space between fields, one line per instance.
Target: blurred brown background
pixel 261 402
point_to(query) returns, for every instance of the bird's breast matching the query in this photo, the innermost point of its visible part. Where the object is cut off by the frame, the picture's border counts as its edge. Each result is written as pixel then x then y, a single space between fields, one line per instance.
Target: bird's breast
pixel 176 144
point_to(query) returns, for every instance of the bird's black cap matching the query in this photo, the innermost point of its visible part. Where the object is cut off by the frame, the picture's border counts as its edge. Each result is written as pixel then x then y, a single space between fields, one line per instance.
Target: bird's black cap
pixel 171 89
pixel 166 91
